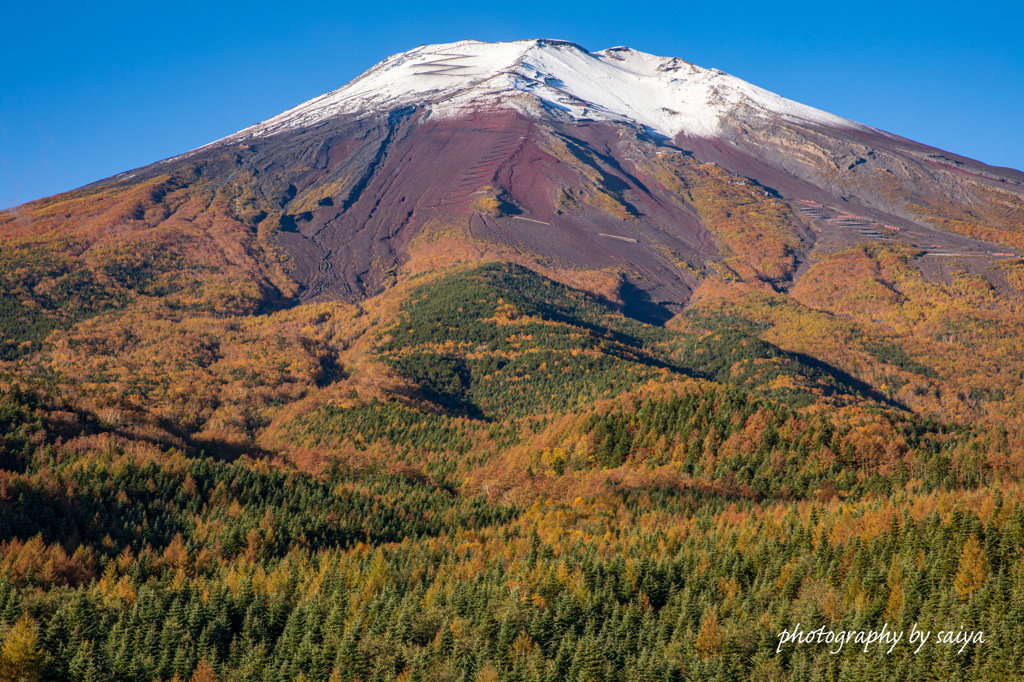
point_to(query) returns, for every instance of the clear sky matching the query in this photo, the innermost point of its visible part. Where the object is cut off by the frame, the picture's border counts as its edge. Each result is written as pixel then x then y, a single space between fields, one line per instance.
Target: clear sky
pixel 88 90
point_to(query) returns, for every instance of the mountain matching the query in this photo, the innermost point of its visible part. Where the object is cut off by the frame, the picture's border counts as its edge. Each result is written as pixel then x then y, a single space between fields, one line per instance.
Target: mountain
pixel 597 161
pixel 518 362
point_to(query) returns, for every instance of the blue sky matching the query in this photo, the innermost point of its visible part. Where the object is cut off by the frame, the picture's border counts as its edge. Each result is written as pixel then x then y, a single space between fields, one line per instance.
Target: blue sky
pixel 88 90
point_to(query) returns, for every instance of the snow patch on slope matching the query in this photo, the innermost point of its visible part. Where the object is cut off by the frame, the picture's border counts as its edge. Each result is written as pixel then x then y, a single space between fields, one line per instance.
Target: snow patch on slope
pixel 667 95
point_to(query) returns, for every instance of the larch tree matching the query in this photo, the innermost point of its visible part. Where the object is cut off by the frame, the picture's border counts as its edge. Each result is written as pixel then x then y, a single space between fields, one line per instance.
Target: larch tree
pixel 21 659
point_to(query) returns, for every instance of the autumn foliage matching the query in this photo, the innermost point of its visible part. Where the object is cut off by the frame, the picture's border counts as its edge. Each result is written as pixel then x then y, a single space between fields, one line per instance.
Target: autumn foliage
pixel 484 473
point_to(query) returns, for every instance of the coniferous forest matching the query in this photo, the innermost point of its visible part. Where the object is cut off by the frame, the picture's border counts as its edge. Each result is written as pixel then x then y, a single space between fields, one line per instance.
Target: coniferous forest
pixel 487 471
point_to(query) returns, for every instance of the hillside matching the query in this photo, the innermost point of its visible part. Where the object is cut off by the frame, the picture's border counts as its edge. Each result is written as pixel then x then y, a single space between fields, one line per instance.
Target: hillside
pixel 471 387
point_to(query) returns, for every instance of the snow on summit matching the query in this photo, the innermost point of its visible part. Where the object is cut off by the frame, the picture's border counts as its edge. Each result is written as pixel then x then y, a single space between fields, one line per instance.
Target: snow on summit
pixel 666 94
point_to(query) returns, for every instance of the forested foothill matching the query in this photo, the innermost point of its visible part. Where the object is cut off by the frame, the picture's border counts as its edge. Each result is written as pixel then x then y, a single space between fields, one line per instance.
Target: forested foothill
pixel 484 473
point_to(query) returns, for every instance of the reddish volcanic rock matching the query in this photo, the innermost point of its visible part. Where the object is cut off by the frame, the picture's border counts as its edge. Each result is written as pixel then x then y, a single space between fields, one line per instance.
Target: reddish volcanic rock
pixel 497 144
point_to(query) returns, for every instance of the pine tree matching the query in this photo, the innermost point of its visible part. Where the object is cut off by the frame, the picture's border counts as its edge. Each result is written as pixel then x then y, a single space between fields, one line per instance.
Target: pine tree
pixel 85 666
pixel 350 661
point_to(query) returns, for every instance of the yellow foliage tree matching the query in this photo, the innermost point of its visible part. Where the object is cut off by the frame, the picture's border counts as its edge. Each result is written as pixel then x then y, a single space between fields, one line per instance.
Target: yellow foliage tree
pixel 974 568
pixel 204 672
pixel 487 674
pixel 710 638
pixel 21 660
pixel 894 604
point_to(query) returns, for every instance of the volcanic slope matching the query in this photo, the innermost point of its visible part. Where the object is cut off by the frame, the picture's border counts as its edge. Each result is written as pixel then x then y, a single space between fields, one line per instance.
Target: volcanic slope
pixel 656 185
pixel 614 162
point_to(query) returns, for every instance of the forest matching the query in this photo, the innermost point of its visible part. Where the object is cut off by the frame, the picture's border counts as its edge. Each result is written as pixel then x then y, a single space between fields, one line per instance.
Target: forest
pixel 488 472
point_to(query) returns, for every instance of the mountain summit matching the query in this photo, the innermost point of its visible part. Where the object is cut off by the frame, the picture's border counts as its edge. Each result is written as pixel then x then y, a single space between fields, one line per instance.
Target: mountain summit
pixel 551 78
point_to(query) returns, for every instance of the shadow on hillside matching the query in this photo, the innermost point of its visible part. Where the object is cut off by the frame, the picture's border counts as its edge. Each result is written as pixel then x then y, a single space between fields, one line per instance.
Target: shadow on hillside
pixel 638 305
pixel 841 377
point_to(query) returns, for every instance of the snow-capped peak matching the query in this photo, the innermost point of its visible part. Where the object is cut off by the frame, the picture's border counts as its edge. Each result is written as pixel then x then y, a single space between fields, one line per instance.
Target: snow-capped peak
pixel 667 95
